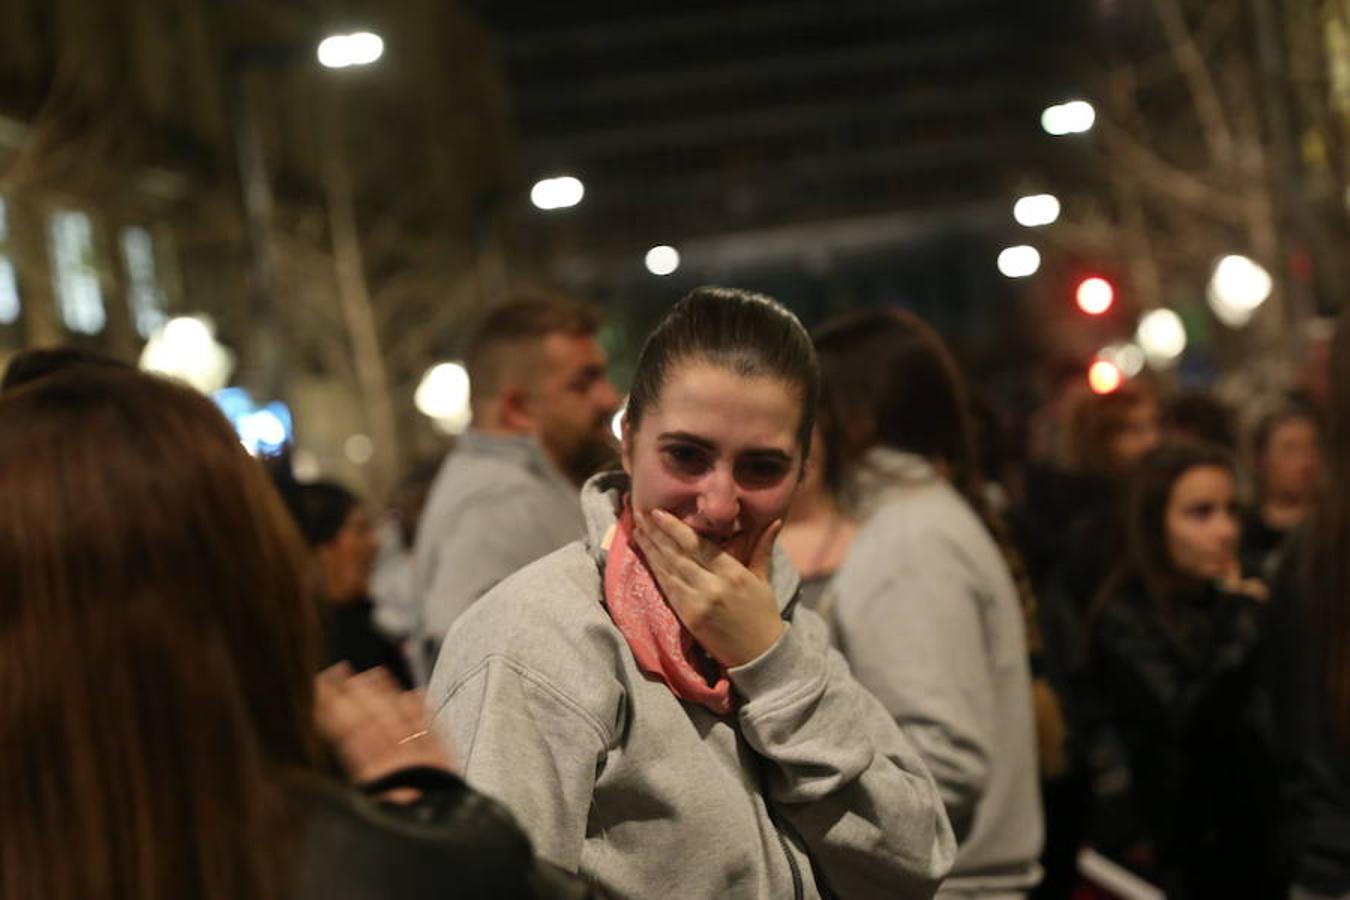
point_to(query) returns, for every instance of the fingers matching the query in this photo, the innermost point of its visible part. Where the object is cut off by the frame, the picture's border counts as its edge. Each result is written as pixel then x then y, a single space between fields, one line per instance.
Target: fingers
pixel 763 552
pixel 671 566
pixel 374 725
pixel 671 531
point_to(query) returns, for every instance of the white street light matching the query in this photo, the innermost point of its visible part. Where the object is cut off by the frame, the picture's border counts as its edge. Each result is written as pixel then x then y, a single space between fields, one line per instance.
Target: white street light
pixel 1237 289
pixel 1036 210
pixel 341 51
pixel 185 348
pixel 443 396
pixel 1073 117
pixel 1162 336
pixel 662 260
pixel 1019 261
pixel 557 193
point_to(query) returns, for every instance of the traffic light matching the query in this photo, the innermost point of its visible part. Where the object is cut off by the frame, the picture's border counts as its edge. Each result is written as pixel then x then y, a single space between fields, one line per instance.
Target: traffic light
pixel 1095 295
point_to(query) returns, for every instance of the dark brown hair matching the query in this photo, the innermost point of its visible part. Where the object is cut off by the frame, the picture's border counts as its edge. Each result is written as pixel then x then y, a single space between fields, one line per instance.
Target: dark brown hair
pixel 1272 422
pixel 1326 566
pixel 503 345
pixel 889 379
pixel 39 362
pixel 1149 489
pixel 156 648
pixel 747 333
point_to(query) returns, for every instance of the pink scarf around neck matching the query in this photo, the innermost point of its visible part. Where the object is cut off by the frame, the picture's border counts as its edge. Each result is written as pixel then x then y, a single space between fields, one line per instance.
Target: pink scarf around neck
pixel 661 644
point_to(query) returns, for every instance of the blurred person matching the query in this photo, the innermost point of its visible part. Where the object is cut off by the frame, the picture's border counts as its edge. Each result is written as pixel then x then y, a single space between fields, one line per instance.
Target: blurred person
pixel 1071 500
pixel 341 540
pixel 1309 662
pixel 1105 437
pixel 39 362
pixel 925 608
pixel 163 734
pixel 652 702
pixel 1286 464
pixel 817 532
pixel 1172 670
pixel 1200 416
pixel 1108 433
pixel 507 494
pixel 392 587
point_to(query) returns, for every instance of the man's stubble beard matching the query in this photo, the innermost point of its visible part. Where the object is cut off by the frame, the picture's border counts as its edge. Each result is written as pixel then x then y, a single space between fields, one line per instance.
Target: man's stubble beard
pixel 596 453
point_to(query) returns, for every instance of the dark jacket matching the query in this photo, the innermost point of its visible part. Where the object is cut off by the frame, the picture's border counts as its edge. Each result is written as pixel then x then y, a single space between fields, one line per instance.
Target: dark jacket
pixel 453 844
pixel 1314 773
pixel 350 636
pixel 1181 695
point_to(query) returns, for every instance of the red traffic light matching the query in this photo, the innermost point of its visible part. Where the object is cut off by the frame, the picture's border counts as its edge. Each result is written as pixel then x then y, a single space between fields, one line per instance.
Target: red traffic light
pixel 1095 295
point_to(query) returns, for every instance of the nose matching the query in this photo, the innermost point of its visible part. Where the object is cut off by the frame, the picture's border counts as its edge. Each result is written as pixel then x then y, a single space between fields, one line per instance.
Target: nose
pixel 718 503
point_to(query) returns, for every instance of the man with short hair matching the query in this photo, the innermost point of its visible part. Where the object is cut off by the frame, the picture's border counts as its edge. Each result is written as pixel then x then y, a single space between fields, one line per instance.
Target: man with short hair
pixel 507 494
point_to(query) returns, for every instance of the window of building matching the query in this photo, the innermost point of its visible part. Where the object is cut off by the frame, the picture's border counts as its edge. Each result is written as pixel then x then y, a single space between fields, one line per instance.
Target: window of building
pixel 144 292
pixel 9 282
pixel 78 292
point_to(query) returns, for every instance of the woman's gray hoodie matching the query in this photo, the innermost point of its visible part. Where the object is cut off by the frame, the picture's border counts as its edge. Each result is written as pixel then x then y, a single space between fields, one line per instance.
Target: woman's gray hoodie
pixel 927 615
pixel 808 789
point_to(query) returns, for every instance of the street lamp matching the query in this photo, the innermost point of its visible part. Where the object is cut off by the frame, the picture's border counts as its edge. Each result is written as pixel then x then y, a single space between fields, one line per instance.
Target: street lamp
pixel 1073 117
pixel 341 51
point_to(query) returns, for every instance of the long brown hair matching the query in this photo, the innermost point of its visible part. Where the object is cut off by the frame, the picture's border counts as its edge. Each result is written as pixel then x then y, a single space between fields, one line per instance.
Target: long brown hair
pixel 890 380
pixel 1150 487
pixel 156 648
pixel 1326 562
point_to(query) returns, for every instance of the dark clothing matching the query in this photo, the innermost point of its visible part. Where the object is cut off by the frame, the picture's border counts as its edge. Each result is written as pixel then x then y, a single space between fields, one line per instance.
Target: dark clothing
pixel 1057 501
pixel 1070 534
pixel 350 635
pixel 453 843
pixel 1314 773
pixel 1262 546
pixel 1180 693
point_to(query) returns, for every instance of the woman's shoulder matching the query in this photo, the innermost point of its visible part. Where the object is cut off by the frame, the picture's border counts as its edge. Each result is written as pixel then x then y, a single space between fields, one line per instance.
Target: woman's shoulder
pixel 1124 610
pixel 559 590
pixel 925 525
pixel 547 621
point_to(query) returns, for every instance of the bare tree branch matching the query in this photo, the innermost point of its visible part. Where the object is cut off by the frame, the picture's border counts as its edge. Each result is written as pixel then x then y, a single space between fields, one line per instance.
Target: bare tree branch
pixel 1191 64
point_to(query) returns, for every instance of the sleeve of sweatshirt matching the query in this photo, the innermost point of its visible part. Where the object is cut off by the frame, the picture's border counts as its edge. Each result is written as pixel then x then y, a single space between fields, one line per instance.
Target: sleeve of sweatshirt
pixel 914 638
pixel 840 771
pixel 529 745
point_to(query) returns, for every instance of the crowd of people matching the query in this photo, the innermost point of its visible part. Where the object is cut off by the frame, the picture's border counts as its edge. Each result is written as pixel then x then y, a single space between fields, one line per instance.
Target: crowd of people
pixel 810 628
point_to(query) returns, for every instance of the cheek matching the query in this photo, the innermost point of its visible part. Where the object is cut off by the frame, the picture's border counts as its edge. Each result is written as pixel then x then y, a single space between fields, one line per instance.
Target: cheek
pixel 1179 542
pixel 763 506
pixel 655 488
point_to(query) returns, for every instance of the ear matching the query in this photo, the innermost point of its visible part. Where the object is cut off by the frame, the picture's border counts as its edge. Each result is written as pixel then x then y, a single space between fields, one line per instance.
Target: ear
pixel 626 444
pixel 515 410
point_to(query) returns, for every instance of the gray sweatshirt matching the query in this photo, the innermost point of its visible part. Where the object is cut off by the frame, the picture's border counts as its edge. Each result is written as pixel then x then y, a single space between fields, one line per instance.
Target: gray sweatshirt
pixel 497 504
pixel 808 787
pixel 927 615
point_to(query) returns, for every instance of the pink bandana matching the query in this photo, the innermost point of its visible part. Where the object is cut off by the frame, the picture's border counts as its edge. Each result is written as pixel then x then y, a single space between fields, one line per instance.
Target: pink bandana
pixel 661 644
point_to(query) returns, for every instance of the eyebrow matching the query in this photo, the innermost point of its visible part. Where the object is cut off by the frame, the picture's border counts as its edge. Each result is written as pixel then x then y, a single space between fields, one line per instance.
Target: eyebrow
pixel 704 443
